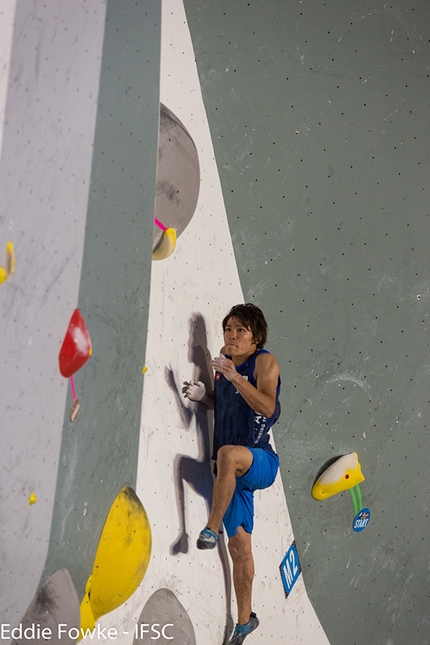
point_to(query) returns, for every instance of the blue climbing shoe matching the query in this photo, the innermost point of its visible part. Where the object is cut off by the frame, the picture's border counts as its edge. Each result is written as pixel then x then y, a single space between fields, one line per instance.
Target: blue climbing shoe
pixel 207 539
pixel 242 631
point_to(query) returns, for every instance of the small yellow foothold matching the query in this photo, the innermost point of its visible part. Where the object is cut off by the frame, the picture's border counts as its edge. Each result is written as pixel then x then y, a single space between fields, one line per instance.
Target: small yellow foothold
pixel 166 246
pixel 32 499
pixel 10 259
pixel 5 273
pixel 144 369
pixel 90 351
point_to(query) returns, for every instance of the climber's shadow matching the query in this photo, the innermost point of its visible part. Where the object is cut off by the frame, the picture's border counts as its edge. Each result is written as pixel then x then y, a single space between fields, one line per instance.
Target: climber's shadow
pixel 197 473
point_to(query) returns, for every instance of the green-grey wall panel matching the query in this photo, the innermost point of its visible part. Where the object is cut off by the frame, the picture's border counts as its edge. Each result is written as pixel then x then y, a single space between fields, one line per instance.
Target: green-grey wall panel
pixel 99 451
pixel 319 119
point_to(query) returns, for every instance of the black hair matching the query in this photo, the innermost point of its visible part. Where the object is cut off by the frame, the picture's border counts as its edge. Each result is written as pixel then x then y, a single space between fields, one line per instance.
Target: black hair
pixel 252 318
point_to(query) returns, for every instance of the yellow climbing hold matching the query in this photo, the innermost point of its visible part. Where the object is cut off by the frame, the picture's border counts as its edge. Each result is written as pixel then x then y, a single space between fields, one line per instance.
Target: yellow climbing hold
pixel 32 499
pixel 9 268
pixel 121 559
pixel 10 259
pixel 87 617
pixel 166 246
pixel 342 474
pixel 144 369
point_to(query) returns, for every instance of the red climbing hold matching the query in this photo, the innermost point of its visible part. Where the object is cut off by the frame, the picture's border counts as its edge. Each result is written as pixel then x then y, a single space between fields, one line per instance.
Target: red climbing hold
pixel 76 348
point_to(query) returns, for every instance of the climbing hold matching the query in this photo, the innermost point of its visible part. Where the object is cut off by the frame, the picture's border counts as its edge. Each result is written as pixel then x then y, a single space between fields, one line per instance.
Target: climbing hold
pixel 166 245
pixel 10 259
pixel 174 622
pixel 144 369
pixel 87 617
pixel 178 176
pixel 121 559
pixel 338 474
pixel 75 351
pixel 74 410
pixel 9 268
pixel 55 604
pixel 32 499
pixel 76 348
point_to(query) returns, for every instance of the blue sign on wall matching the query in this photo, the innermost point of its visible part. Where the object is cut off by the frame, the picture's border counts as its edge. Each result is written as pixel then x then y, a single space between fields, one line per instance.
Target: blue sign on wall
pixel 290 569
pixel 361 520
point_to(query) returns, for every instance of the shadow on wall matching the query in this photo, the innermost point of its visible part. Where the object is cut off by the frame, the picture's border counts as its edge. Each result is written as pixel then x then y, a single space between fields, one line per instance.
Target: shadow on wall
pixel 197 473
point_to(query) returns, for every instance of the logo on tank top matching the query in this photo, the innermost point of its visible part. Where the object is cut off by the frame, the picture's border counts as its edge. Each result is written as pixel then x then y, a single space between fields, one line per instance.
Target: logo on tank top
pixel 260 424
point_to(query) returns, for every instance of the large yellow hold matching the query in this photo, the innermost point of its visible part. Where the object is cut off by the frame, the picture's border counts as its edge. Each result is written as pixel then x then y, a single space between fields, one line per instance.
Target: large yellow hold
pixel 343 474
pixel 121 559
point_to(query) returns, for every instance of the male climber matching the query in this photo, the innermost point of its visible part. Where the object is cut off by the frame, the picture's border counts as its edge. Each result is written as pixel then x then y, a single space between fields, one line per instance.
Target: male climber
pixel 246 405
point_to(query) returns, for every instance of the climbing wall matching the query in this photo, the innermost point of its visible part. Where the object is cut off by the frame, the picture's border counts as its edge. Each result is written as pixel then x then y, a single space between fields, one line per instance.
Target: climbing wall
pixel 319 117
pixel 100 450
pixel 107 478
pixel 283 155
pixel 47 110
pixel 190 293
pixel 77 193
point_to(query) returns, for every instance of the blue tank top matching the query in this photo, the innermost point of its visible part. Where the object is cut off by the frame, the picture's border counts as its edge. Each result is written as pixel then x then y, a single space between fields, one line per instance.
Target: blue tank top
pixel 236 423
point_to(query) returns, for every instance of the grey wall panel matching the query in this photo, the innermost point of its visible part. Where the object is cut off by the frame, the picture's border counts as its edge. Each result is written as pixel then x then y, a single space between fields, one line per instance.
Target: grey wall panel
pixel 319 119
pixel 44 183
pixel 99 451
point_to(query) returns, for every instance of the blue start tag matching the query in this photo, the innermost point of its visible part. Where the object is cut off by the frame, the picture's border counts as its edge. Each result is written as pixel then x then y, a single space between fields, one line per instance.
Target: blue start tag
pixel 361 520
pixel 290 569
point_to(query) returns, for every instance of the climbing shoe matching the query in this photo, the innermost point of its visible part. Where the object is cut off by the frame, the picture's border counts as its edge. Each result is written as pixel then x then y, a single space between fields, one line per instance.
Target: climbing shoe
pixel 242 631
pixel 207 539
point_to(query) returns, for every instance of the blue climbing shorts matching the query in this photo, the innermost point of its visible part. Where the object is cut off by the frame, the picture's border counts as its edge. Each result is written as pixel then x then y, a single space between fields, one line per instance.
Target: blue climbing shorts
pixel 261 474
